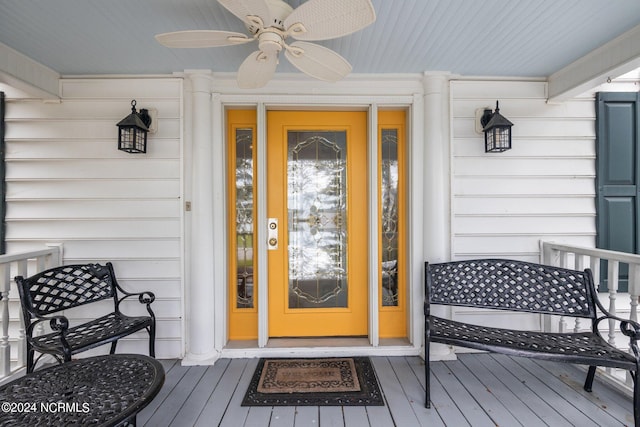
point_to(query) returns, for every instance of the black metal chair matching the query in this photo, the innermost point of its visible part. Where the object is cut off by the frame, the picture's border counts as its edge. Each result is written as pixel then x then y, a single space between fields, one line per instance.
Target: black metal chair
pixel 62 288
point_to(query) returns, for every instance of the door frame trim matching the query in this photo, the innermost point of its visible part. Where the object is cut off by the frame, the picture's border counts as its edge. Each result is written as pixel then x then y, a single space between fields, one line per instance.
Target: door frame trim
pixel 416 241
pixel 372 228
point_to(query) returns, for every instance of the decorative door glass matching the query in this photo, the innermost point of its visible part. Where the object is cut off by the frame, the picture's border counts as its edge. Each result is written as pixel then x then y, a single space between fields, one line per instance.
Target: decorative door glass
pixel 244 218
pixel 317 219
pixel 389 198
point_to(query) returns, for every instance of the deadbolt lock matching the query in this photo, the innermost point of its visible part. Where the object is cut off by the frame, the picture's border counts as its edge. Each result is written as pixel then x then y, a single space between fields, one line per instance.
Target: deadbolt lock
pixel 272 234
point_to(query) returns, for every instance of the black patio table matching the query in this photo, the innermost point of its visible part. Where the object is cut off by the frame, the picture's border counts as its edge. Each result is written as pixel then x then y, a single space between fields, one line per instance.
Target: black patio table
pixel 96 391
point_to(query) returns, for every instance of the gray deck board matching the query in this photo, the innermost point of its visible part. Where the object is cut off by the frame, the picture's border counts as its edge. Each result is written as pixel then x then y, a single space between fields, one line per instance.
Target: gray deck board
pixel 573 376
pixel 237 414
pixel 580 401
pixel 379 416
pixel 546 393
pixel 519 388
pixel 499 414
pixel 464 401
pixel 476 390
pixel 331 416
pixel 258 416
pixel 444 404
pixel 414 391
pixel 173 375
pixel 306 416
pixel 497 388
pixel 218 402
pixel 283 416
pixel 196 400
pixel 174 402
pixel 355 416
pixel 399 406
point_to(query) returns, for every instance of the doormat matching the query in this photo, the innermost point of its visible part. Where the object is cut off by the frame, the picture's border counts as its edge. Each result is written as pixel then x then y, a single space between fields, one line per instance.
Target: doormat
pixel 348 381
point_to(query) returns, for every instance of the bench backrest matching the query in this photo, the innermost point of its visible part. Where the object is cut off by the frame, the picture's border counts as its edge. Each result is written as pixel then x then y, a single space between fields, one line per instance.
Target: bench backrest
pixel 511 285
pixel 65 287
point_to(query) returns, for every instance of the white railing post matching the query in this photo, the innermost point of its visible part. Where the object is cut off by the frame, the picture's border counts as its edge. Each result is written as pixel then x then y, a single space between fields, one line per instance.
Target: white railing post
pixel 633 291
pixel 594 265
pixel 612 284
pixel 562 262
pixel 22 333
pixel 548 256
pixel 18 264
pixel 578 263
pixel 5 347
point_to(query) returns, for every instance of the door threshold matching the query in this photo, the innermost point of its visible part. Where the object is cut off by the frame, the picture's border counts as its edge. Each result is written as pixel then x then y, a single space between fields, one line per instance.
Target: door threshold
pixel 325 342
pixel 319 347
pixel 317 342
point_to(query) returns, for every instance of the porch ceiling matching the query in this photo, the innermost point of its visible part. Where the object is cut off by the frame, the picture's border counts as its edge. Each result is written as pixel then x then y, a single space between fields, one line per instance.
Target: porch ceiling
pixel 474 38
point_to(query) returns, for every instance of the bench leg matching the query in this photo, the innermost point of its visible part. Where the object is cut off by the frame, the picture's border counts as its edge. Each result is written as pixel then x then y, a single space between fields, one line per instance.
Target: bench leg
pixel 589 381
pixel 636 400
pixel 30 356
pixel 113 347
pixel 427 370
pixel 427 379
pixel 152 340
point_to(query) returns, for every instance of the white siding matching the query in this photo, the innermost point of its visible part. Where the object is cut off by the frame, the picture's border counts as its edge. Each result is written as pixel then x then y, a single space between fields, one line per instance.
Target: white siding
pixel 68 183
pixel 543 188
pixel 503 204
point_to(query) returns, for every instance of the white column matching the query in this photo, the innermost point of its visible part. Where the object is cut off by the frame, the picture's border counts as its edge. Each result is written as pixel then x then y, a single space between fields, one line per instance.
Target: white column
pixel 437 182
pixel 199 307
pixel 374 315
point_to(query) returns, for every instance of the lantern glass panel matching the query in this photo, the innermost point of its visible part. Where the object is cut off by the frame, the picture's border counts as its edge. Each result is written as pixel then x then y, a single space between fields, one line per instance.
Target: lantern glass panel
pixel 498 139
pixel 132 140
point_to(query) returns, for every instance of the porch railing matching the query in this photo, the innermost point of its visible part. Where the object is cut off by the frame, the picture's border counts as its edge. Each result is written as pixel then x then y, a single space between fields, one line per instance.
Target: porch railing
pixel 620 302
pixel 12 337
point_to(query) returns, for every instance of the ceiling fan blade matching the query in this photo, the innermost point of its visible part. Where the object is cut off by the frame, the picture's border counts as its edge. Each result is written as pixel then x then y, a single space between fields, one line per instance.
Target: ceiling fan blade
pixel 244 8
pixel 257 69
pixel 202 38
pixel 328 19
pixel 318 61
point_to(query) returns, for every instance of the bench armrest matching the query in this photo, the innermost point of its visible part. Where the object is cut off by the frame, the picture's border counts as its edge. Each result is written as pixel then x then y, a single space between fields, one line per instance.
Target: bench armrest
pixel 628 327
pixel 145 297
pixel 632 330
pixel 57 323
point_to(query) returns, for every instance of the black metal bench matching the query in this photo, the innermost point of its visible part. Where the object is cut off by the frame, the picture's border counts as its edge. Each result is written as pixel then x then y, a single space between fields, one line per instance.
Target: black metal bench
pixel 526 287
pixel 70 286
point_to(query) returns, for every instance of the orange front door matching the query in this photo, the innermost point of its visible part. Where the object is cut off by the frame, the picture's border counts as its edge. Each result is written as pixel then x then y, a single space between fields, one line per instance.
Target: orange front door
pixel 317 193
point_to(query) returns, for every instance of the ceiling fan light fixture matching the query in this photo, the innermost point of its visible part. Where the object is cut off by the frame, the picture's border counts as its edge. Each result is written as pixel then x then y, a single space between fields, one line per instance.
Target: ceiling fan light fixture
pixel 270 42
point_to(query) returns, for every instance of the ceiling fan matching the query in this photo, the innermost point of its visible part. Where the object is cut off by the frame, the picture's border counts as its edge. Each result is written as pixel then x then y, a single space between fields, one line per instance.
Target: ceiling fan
pixel 271 22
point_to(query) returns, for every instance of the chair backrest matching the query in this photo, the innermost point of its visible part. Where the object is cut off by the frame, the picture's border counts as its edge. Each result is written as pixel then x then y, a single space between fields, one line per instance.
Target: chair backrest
pixel 65 287
pixel 511 285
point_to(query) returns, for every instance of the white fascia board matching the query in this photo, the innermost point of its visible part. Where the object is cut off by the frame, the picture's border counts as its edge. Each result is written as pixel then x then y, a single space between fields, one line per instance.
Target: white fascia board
pixel 619 56
pixel 27 75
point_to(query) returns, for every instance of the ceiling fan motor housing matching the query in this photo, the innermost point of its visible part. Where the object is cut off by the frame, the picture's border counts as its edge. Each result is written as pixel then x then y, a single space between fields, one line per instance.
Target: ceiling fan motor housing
pixel 279 10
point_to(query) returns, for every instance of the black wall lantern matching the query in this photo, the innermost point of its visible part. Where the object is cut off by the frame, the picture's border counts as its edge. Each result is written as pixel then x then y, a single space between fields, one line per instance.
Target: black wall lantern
pixel 497 131
pixel 133 129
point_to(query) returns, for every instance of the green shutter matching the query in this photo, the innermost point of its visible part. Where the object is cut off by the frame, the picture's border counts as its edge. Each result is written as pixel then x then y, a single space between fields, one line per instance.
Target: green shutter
pixel 617 181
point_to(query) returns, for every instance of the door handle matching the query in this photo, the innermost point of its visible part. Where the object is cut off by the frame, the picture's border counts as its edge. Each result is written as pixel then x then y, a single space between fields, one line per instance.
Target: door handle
pixel 272 234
